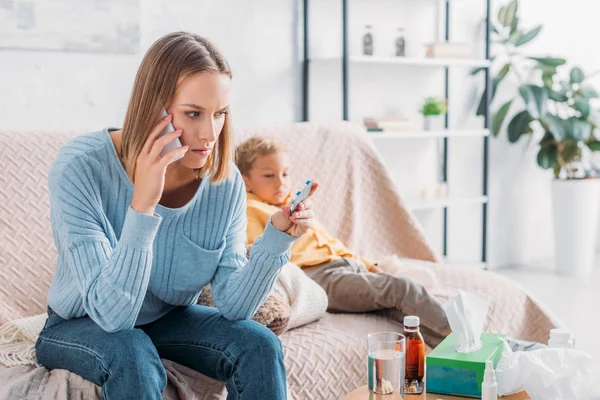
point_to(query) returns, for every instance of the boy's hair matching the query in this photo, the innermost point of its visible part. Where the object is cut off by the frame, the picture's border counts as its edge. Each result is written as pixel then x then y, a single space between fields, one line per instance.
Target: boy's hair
pixel 247 152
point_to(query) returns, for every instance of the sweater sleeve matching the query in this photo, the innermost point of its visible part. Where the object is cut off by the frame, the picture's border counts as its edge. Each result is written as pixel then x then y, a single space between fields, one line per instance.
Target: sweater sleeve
pixel 240 286
pixel 255 228
pixel 111 276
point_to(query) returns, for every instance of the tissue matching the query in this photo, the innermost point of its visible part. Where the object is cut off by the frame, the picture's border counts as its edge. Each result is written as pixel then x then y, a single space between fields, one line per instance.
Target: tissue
pixel 466 315
pixel 457 366
pixel 548 374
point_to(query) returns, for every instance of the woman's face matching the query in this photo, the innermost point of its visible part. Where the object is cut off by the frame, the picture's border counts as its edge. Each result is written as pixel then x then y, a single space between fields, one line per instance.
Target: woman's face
pixel 199 106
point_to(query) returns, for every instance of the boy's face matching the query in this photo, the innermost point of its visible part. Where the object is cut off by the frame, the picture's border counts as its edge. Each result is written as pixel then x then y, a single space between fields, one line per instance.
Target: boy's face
pixel 268 178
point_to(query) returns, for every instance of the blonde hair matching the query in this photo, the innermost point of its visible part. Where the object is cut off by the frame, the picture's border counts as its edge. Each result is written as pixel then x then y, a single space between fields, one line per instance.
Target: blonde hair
pixel 247 152
pixel 173 56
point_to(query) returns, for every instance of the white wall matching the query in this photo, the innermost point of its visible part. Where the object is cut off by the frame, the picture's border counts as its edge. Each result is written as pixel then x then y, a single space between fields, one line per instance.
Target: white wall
pixel 58 90
pixel 53 90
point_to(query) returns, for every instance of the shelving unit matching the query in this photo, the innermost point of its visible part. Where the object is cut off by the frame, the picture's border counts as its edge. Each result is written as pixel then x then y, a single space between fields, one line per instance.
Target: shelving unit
pixel 421 62
pixel 423 204
pixel 445 135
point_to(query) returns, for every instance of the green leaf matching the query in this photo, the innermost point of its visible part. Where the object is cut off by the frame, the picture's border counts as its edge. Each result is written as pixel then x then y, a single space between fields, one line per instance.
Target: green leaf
pixel 547 69
pixel 514 25
pixel 571 151
pixel 557 96
pixel 526 94
pixel 589 92
pixel 547 139
pixel 536 99
pixel 499 117
pixel 515 37
pixel 583 106
pixel 481 107
pixel 477 70
pixel 557 169
pixel 547 78
pixel 495 30
pixel 556 126
pixel 549 61
pixel 495 82
pixel 540 95
pixel 502 15
pixel 502 74
pixel 529 36
pixel 577 75
pixel 548 156
pixel 578 129
pixel 511 13
pixel 594 146
pixel 519 125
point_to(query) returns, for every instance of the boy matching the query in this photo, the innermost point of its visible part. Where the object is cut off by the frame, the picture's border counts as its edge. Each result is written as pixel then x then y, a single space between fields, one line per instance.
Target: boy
pixel 352 283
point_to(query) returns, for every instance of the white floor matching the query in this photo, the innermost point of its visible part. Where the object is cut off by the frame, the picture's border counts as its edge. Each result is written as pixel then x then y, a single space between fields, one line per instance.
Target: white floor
pixel 574 300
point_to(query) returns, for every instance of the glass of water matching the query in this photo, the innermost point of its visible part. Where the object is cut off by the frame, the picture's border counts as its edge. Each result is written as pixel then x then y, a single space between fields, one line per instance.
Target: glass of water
pixel 386 363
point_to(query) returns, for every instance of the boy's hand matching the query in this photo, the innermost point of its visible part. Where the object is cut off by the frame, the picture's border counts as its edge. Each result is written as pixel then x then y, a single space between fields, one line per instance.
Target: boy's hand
pixel 300 221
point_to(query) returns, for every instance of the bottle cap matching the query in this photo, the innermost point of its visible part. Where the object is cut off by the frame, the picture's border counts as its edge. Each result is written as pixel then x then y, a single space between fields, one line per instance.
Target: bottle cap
pixel 411 321
pixel 490 374
pixel 562 335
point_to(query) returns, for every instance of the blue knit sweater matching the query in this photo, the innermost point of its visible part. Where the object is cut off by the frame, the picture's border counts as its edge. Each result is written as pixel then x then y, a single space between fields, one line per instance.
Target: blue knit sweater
pixel 123 268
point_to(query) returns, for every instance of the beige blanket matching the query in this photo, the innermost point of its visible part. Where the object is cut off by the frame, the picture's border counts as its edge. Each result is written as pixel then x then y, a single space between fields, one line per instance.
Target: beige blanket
pixel 26 382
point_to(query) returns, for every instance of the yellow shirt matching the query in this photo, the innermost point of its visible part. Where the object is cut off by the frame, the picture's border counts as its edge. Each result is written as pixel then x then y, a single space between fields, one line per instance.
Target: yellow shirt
pixel 315 247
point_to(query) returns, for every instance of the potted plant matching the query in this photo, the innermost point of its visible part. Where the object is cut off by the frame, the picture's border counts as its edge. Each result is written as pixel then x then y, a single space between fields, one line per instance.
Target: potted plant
pixel 555 110
pixel 432 110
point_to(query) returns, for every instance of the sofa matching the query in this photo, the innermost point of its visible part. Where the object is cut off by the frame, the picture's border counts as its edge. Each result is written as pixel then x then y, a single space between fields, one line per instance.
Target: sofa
pixel 357 201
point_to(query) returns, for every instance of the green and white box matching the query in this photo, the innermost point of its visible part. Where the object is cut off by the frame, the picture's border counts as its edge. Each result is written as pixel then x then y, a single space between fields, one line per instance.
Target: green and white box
pixel 461 374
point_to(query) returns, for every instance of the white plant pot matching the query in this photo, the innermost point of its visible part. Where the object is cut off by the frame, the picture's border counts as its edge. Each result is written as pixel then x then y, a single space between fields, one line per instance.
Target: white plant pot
pixel 575 207
pixel 433 123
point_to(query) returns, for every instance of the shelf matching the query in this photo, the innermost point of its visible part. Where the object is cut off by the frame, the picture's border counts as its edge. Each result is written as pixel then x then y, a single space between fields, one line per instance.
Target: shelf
pixel 418 61
pixel 420 204
pixel 384 135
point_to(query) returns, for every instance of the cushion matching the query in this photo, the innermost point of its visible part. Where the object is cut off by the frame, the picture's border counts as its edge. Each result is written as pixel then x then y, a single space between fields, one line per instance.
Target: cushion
pixel 274 313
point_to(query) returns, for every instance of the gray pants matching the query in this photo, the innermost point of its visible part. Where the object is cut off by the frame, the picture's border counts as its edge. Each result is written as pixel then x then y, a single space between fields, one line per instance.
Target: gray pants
pixel 352 288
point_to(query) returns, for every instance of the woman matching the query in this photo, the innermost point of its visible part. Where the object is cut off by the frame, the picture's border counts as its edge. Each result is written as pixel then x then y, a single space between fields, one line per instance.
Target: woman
pixel 138 236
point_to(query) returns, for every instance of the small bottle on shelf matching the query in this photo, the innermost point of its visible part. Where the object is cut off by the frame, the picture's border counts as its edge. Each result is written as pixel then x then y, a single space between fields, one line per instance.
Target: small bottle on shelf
pixel 414 381
pixel 368 41
pixel 400 43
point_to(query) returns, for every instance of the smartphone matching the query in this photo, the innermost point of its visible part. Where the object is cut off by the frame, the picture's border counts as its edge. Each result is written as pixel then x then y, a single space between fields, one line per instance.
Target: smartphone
pixel 300 196
pixel 173 144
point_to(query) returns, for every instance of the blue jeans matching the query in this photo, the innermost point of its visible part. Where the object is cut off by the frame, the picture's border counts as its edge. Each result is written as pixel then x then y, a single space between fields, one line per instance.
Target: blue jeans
pixel 126 364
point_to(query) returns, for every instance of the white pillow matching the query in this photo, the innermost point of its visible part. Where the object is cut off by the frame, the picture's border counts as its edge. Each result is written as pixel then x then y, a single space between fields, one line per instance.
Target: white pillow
pixel 307 300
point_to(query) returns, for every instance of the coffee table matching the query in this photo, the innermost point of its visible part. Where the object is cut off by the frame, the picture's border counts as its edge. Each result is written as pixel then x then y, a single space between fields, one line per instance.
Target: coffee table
pixel 363 393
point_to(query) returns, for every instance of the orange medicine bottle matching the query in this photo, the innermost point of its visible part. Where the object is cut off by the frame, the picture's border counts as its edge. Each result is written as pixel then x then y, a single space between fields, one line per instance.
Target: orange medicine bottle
pixel 415 356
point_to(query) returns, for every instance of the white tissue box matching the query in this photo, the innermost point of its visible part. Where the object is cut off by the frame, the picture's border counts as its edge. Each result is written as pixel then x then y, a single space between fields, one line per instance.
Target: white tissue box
pixel 461 374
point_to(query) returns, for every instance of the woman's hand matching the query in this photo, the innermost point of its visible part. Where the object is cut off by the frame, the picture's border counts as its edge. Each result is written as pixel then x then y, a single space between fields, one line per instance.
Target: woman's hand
pixel 151 168
pixel 300 221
